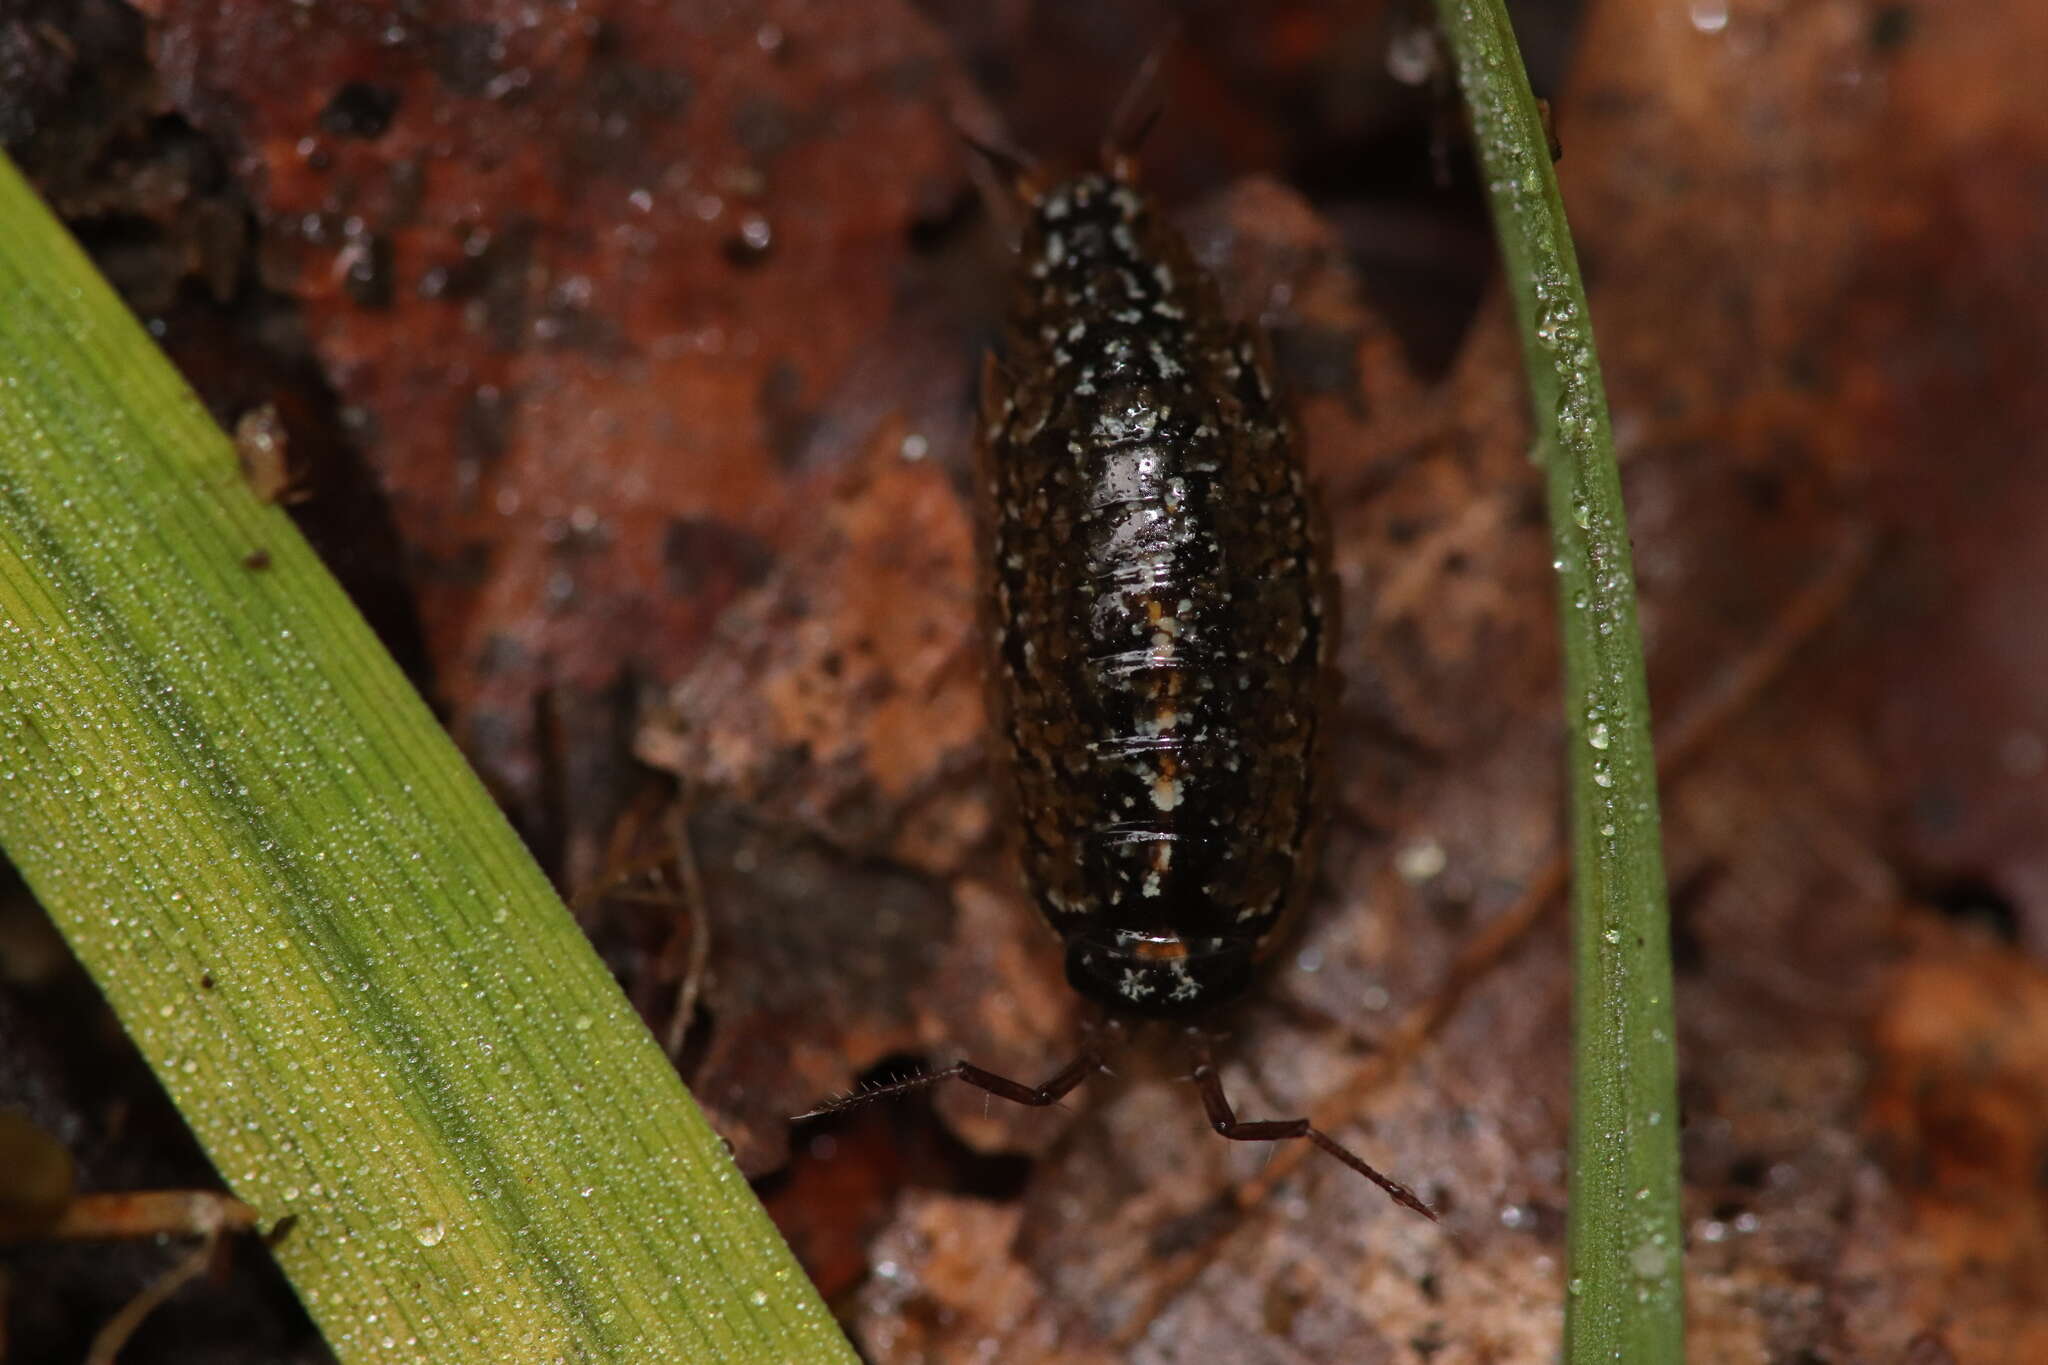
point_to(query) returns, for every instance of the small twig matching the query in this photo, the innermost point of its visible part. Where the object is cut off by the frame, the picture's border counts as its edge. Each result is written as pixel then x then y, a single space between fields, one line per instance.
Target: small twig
pixel 696 907
pixel 149 1213
pixel 679 859
pixel 619 869
pixel 109 1340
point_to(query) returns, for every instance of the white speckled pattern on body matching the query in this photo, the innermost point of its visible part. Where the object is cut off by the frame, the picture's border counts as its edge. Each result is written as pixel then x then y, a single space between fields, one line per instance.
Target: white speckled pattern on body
pixel 1158 608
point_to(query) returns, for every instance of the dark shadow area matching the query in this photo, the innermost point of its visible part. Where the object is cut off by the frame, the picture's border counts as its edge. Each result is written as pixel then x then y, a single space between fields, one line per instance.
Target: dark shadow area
pixel 1972 901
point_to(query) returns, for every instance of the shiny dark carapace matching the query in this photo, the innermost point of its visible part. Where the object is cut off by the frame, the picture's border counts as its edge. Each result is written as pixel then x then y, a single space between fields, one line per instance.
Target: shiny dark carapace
pixel 1159 628
pixel 1157 612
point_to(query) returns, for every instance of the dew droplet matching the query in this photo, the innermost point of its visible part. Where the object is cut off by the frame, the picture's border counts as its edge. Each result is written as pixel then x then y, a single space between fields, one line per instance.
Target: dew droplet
pixel 1649 1261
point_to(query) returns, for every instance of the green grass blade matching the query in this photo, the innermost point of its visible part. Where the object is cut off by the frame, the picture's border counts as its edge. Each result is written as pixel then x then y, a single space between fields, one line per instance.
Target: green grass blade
pixel 1626 1299
pixel 352 979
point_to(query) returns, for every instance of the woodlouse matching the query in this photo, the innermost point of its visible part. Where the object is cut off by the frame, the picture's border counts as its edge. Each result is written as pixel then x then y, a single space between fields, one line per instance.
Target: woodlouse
pixel 1158 609
pixel 1160 621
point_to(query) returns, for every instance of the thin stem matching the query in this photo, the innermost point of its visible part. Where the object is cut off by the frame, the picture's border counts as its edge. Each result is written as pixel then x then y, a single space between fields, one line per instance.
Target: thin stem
pixel 1626 1290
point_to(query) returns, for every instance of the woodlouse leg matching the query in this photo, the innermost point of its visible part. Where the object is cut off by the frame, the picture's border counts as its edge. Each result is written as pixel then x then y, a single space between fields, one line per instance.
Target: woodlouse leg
pixel 1210 1083
pixel 1037 1096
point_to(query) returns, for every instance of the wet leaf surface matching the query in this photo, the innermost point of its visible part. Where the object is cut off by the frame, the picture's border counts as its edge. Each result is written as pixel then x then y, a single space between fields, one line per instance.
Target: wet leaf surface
pixel 644 340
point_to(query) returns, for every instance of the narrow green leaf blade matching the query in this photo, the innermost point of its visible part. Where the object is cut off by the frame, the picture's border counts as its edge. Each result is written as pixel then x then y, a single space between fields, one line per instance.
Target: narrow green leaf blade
pixel 1626 1299
pixel 353 980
